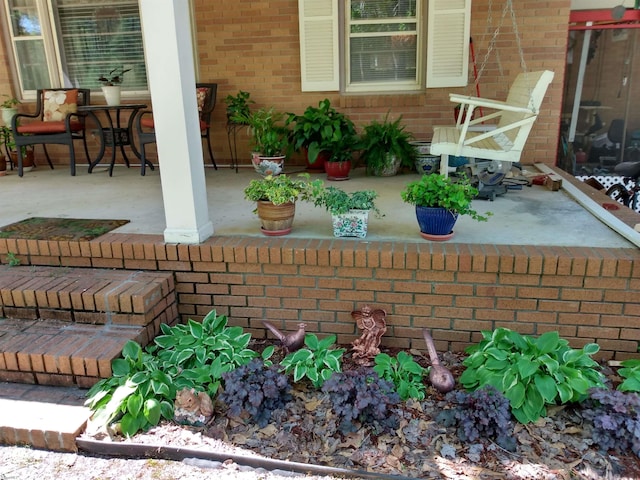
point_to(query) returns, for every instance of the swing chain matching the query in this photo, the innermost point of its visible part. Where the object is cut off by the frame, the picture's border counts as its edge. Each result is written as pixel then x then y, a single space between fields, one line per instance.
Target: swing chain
pixel 508 7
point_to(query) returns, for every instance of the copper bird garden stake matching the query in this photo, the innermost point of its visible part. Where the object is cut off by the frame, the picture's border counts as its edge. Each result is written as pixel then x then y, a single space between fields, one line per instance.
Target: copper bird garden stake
pixel 440 377
pixel 291 341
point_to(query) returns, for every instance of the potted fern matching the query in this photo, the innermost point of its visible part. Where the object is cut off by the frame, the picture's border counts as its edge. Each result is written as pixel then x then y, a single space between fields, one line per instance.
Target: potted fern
pixel 386 146
pixel 439 201
pixel 349 211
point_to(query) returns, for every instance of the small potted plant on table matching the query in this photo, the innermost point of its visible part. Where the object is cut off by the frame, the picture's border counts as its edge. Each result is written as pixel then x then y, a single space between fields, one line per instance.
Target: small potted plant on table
pixel 276 197
pixel 349 211
pixel 439 201
pixel 111 85
pixel 386 146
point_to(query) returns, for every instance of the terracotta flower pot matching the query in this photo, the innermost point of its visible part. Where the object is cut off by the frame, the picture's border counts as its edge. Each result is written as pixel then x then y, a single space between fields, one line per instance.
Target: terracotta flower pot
pixel 276 220
pixel 318 165
pixel 27 159
pixel 337 170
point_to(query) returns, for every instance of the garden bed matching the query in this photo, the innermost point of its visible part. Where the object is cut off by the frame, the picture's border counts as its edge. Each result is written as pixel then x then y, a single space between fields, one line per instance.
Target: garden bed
pixel 557 446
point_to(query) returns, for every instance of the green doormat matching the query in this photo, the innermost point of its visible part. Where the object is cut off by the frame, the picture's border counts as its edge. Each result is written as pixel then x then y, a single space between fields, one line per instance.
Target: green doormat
pixel 44 228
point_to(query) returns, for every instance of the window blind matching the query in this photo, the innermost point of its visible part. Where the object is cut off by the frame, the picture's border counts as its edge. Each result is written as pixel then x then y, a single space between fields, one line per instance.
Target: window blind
pixel 98 38
pixel 383 42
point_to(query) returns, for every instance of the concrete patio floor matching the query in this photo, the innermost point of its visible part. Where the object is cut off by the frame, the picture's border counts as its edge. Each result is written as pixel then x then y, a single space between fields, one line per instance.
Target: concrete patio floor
pixel 531 216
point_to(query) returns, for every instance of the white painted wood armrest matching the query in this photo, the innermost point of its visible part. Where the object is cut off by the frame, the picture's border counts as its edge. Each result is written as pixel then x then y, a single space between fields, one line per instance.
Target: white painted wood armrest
pixel 483 102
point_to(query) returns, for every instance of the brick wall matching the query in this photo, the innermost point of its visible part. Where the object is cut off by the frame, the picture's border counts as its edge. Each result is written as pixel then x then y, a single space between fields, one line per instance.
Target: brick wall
pixel 457 290
pixel 242 48
pixel 252 45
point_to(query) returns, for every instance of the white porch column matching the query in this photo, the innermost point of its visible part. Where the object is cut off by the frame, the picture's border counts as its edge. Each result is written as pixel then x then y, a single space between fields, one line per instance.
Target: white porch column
pixel 169 55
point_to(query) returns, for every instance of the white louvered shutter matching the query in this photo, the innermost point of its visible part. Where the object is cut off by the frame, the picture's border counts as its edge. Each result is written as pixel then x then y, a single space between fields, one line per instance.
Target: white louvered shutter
pixel 448 43
pixel 319 48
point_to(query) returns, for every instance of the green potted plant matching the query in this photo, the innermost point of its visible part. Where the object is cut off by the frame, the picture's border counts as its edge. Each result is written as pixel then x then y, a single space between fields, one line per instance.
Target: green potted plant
pixel 6 136
pixel 4 132
pixel 385 146
pixel 270 139
pixel 111 85
pixel 439 200
pixel 276 197
pixel 9 108
pixel 341 148
pixel 238 107
pixel 349 211
pixel 316 130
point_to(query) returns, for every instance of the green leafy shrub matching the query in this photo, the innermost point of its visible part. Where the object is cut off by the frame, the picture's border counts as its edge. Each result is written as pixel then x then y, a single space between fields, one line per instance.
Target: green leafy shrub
pixel 630 371
pixel 531 372
pixel 362 396
pixel 256 389
pixel 404 372
pixel 615 417
pixel 317 361
pixel 144 382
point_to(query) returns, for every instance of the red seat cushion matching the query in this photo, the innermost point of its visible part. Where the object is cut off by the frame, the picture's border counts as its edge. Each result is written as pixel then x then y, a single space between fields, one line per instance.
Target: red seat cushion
pixel 37 128
pixel 147 121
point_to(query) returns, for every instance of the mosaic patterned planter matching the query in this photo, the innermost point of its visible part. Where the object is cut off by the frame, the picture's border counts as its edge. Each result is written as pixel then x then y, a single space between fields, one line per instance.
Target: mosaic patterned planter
pixel 351 224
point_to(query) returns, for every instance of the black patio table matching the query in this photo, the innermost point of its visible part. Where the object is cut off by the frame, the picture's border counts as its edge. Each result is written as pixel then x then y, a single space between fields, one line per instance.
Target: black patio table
pixel 114 134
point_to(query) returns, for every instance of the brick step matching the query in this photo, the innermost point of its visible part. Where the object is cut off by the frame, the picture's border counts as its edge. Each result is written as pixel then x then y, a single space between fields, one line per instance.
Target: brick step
pixel 64 326
pixel 44 417
pixel 51 352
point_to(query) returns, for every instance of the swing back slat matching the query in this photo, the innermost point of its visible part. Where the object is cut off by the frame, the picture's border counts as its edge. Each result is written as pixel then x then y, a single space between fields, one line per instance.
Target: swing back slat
pixel 515 118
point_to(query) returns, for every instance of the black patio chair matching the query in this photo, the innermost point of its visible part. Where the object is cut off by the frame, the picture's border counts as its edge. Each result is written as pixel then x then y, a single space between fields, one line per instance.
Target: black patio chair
pixel 55 121
pixel 144 126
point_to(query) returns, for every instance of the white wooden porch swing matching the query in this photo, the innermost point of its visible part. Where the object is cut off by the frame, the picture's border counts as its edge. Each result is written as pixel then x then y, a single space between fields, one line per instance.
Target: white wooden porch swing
pixel 504 140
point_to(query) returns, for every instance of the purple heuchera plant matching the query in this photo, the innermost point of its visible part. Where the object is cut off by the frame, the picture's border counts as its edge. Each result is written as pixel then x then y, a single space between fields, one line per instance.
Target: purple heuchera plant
pixel 616 419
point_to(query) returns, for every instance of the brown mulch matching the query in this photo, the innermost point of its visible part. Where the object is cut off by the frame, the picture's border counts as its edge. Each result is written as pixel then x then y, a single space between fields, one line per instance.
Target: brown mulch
pixel 558 446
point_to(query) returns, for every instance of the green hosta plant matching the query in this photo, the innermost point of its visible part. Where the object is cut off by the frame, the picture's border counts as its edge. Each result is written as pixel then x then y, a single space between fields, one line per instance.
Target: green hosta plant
pixel 197 354
pixel 531 372
pixel 317 362
pixel 630 371
pixel 404 372
pixel 144 382
pixel 139 393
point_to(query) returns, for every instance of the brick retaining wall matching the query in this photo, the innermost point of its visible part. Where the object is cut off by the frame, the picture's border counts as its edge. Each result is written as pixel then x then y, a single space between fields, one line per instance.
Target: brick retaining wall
pixel 457 290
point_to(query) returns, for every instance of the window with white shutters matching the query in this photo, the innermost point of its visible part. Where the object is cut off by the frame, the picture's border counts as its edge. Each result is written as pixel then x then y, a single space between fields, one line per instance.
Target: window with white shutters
pixel 385 45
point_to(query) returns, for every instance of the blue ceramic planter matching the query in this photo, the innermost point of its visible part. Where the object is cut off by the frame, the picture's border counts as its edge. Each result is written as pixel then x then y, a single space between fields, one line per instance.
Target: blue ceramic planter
pixel 435 220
